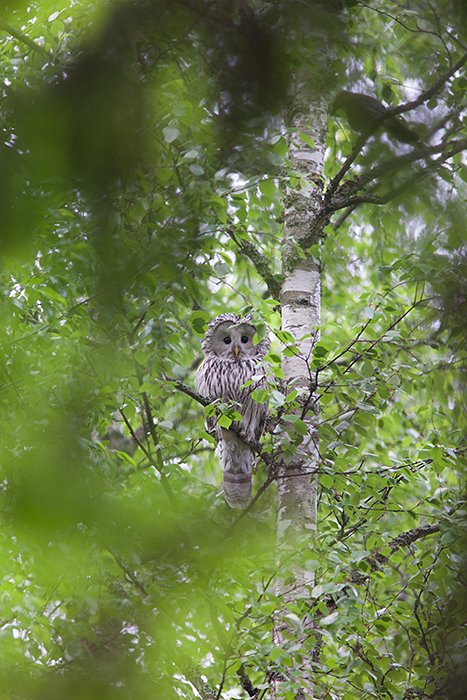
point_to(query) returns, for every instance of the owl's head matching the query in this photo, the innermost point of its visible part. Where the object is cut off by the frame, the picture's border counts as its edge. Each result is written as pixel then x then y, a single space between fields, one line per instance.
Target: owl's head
pixel 230 337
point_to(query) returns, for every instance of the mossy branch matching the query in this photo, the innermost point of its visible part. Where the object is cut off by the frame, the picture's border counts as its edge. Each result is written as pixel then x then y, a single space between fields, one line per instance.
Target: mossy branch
pixel 261 263
pixel 203 688
pixel 407 538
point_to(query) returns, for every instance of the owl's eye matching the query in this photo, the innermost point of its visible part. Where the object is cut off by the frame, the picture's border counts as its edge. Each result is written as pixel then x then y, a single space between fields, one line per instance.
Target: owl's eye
pixel 227 340
pixel 244 339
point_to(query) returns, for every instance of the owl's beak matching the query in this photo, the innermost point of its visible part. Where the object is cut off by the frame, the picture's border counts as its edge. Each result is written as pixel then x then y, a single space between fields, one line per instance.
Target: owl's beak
pixel 236 351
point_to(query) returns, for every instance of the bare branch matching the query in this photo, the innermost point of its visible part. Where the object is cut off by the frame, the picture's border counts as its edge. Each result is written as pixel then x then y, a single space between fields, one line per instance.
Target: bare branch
pixel 403 540
pixel 184 388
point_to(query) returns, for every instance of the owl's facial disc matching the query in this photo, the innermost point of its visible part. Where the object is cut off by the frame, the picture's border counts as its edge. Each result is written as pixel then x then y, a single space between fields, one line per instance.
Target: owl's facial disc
pixel 235 340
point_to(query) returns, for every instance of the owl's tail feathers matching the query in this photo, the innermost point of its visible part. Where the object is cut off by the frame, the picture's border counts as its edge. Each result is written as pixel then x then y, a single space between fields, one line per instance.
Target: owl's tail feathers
pixel 237 488
pixel 237 461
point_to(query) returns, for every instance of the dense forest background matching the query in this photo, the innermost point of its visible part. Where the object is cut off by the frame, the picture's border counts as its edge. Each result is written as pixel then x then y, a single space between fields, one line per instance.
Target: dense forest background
pixel 144 174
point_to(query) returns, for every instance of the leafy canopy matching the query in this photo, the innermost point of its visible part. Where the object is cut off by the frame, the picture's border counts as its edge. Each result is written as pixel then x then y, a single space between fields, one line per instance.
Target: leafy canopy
pixel 142 174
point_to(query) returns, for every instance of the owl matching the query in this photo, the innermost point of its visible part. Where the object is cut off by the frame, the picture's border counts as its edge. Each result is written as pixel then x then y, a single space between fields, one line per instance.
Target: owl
pixel 230 360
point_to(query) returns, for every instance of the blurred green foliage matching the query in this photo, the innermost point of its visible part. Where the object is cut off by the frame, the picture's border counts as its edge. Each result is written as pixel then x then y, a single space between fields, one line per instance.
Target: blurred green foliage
pixel 136 137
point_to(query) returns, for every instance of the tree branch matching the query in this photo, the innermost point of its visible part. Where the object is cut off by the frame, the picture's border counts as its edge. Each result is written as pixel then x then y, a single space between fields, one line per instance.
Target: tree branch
pixel 260 262
pixel 427 94
pixel 361 141
pixel 23 38
pixel 203 688
pixel 185 389
pixel 127 571
pixel 155 438
pixel 255 446
pixel 335 182
pixel 353 201
pixel 134 436
pixel 406 538
pixel 403 540
pixel 397 162
pixel 246 683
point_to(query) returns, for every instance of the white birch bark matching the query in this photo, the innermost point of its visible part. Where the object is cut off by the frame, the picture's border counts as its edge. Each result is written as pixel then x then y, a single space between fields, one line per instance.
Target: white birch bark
pixel 301 297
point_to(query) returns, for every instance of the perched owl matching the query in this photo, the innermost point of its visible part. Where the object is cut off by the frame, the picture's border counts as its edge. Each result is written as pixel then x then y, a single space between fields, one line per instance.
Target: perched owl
pixel 230 360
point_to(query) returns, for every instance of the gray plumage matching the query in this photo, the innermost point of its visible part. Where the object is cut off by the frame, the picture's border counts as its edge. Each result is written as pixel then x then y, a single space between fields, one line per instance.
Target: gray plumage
pixel 230 360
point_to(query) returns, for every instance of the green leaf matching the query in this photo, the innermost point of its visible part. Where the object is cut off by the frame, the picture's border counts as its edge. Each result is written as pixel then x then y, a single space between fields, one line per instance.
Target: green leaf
pixel 312 565
pixel 198 321
pixel 221 269
pixel 170 133
pixel 224 421
pixel 320 350
pixel 275 653
pixel 196 169
pixel 329 619
pixel 260 395
pixel 166 424
pixel 326 480
pixel 304 137
pixel 290 351
pixel 285 337
pixel 267 187
pixel 300 427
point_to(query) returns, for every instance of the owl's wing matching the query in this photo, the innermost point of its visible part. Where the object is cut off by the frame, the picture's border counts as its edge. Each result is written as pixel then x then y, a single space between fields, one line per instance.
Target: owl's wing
pixel 254 420
pixel 254 414
pixel 206 385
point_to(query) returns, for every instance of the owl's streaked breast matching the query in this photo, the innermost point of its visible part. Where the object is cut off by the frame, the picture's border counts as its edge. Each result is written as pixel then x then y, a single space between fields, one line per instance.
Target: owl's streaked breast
pixel 222 379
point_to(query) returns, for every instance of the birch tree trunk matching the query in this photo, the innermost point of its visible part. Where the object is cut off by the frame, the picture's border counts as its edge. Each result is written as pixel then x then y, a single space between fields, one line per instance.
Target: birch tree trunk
pixel 301 297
